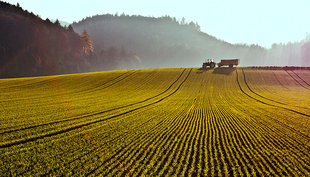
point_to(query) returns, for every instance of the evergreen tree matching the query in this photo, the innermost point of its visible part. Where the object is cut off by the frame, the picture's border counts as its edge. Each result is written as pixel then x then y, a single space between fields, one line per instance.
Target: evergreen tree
pixel 70 28
pixel 57 22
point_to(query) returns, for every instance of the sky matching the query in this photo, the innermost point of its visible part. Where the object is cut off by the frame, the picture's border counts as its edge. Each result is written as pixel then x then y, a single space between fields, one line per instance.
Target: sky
pixel 261 22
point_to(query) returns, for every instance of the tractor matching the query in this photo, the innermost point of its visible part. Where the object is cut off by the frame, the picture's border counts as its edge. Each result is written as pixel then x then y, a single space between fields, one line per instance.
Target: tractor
pixel 208 62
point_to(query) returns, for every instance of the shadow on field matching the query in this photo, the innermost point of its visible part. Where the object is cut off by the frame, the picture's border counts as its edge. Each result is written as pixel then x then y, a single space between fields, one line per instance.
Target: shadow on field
pixel 201 70
pixel 225 71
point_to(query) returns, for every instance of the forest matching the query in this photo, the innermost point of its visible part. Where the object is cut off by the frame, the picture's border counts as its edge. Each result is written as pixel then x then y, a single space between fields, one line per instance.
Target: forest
pixel 31 46
pixel 168 42
pixel 164 41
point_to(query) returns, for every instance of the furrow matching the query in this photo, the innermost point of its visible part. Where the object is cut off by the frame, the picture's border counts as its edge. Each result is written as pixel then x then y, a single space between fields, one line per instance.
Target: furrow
pixel 163 142
pixel 300 78
pixel 149 143
pixel 245 81
pixel 278 80
pixel 191 160
pixel 134 140
pixel 97 113
pixel 249 145
pixel 268 103
pixel 77 155
pixel 240 139
pixel 178 87
pixel 226 134
pixel 159 163
pixel 180 137
pixel 296 80
pixel 75 93
pixel 22 141
pixel 274 141
pixel 188 132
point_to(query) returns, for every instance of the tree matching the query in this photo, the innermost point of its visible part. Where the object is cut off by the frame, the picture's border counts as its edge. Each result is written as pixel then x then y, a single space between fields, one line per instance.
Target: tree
pixel 183 22
pixel 192 25
pixel 174 19
pixel 57 22
pixel 197 26
pixel 123 52
pixel 70 28
pixel 305 54
pixel 112 53
pixel 87 42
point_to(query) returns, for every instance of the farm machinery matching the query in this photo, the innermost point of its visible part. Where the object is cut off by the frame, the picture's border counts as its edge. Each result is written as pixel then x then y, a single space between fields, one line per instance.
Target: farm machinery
pixel 208 62
pixel 223 62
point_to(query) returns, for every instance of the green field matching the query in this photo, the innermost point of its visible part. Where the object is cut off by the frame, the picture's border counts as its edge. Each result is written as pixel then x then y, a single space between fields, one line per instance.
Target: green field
pixel 156 122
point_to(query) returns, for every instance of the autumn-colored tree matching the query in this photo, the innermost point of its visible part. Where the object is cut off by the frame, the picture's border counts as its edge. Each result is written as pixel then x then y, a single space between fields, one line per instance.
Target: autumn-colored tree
pixel 87 42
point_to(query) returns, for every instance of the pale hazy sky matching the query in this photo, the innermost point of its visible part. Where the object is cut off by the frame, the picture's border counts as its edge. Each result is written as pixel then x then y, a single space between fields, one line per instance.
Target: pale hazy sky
pixel 262 22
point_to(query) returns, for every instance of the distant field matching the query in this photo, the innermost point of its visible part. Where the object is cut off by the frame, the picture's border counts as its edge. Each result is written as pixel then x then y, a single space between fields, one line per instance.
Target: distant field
pixel 156 122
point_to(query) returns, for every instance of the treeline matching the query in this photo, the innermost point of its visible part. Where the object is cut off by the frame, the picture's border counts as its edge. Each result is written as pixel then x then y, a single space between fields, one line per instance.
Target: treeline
pixel 30 46
pixel 290 54
pixel 280 67
pixel 305 53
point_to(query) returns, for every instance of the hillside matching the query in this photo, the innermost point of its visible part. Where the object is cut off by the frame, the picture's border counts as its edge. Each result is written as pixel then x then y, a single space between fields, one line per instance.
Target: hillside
pixel 165 42
pixel 30 46
pixel 150 122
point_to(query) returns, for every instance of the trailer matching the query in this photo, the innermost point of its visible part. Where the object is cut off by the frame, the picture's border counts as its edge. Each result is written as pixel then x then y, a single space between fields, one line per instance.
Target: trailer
pixel 229 62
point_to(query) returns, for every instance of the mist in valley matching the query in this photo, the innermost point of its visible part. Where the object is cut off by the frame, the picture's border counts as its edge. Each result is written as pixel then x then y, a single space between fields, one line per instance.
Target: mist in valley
pixel 167 42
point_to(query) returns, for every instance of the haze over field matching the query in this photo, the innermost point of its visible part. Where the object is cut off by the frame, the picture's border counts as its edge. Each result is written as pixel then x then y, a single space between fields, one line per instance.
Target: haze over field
pixel 239 21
